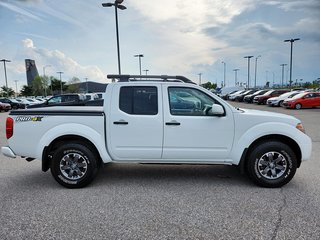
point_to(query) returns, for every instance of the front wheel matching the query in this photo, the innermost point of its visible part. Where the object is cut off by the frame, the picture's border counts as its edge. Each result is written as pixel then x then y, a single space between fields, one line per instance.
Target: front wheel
pixel 272 164
pixel 298 106
pixel 74 165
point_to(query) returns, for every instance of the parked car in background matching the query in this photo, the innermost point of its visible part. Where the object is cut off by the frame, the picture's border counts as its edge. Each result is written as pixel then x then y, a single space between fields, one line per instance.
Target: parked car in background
pixel 101 94
pixel 262 99
pixel 249 98
pixel 277 101
pixel 241 96
pixel 227 91
pixel 92 96
pixel 233 96
pixel 303 100
pixel 13 103
pixel 5 107
pixel 63 100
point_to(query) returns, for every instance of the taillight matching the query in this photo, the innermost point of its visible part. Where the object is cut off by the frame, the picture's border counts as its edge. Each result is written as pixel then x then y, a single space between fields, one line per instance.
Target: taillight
pixel 9 127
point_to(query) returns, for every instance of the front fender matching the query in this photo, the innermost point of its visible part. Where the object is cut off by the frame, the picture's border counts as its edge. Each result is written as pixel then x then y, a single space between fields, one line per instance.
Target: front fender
pixel 97 139
pixel 270 128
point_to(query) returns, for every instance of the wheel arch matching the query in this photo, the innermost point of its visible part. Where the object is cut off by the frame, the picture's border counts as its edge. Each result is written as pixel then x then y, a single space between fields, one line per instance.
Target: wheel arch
pixel 48 150
pixel 278 137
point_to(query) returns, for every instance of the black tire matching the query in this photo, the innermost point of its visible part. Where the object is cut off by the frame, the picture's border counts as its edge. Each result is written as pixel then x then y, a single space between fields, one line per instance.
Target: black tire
pixel 298 106
pixel 74 165
pixel 280 103
pixel 271 164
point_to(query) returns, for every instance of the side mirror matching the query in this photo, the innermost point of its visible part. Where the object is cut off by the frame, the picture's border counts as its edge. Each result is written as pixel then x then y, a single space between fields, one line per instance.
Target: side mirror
pixel 217 110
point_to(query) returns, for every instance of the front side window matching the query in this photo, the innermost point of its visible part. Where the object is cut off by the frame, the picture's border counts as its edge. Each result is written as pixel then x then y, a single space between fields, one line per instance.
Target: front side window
pixel 54 100
pixel 139 100
pixel 189 101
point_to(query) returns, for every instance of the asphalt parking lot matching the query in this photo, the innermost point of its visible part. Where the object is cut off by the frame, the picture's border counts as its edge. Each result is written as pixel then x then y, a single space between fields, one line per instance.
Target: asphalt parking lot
pixel 132 201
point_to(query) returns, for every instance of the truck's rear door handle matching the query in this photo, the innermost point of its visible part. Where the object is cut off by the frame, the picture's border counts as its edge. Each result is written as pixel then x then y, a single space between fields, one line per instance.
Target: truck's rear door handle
pixel 121 122
pixel 173 123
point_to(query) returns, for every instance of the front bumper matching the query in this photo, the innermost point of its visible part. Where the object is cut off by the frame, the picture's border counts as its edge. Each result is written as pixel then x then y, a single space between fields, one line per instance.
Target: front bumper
pixel 6 151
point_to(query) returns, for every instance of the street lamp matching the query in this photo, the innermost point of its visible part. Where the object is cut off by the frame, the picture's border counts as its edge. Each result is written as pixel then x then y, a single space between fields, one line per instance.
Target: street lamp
pixel 60 82
pixel 5 73
pixel 200 74
pixel 235 76
pixel 139 56
pixel 44 75
pixel 86 84
pixel 248 84
pixel 16 81
pixel 146 71
pixel 282 65
pixel 224 73
pixel 255 72
pixel 116 4
pixel 291 42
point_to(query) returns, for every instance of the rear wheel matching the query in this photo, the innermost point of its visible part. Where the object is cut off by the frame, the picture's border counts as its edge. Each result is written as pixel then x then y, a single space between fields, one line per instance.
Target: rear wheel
pixel 271 164
pixel 74 165
pixel 298 106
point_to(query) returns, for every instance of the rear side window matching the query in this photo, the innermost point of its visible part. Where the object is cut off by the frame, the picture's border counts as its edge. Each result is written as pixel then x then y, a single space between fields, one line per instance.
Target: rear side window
pixel 139 100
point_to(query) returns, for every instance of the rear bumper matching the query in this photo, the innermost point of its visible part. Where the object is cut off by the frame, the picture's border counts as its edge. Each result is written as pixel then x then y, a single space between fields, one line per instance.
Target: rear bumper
pixel 6 151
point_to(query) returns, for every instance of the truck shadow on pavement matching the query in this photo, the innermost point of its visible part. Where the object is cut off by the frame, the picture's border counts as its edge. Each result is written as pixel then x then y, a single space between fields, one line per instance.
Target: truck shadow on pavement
pixel 146 173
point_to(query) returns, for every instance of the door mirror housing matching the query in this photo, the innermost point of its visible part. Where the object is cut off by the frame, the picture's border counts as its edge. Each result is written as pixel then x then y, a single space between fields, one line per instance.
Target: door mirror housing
pixel 217 110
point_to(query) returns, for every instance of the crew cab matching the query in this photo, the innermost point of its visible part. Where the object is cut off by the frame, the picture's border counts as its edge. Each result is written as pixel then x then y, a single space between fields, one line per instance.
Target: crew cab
pixel 165 119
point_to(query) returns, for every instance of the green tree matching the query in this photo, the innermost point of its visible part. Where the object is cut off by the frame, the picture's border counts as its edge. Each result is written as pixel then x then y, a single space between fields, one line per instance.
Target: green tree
pixel 74 85
pixel 6 91
pixel 37 86
pixel 209 85
pixel 26 91
pixel 56 85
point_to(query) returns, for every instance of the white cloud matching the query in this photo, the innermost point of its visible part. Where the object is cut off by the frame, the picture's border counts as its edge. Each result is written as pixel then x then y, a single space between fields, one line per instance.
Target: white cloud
pixel 59 62
pixel 178 26
pixel 19 11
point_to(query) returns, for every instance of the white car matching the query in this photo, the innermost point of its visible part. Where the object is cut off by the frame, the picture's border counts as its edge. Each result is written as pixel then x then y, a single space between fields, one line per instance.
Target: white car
pixel 233 96
pixel 277 101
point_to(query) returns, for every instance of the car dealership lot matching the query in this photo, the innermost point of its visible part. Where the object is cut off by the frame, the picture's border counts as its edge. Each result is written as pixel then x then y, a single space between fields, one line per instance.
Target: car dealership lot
pixel 133 201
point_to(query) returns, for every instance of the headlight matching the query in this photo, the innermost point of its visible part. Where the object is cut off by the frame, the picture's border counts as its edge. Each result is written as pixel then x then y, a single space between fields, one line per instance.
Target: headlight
pixel 300 127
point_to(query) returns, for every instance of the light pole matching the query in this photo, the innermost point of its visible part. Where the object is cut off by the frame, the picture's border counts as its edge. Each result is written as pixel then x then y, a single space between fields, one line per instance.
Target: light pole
pixel 235 76
pixel 291 42
pixel 86 84
pixel 139 56
pixel 44 75
pixel 60 82
pixel 248 84
pixel 116 4
pixel 282 65
pixel 5 73
pixel 16 81
pixel 224 73
pixel 200 74
pixel 255 72
pixel 146 71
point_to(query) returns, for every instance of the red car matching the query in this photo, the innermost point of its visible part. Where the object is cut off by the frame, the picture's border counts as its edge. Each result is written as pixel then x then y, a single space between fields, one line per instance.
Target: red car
pixel 5 107
pixel 303 100
pixel 262 99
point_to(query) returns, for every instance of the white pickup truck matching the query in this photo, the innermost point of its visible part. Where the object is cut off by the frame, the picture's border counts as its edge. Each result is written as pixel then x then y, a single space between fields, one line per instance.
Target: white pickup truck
pixel 162 119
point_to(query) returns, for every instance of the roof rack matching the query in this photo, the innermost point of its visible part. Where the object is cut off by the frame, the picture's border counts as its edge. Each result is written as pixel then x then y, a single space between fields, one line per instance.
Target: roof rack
pixel 128 78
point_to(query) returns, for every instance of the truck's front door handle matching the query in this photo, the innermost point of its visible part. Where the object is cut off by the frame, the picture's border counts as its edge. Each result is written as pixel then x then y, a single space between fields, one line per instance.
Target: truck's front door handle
pixel 121 122
pixel 173 123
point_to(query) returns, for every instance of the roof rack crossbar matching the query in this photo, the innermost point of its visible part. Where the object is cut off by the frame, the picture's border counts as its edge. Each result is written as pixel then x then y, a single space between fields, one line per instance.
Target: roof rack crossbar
pixel 127 78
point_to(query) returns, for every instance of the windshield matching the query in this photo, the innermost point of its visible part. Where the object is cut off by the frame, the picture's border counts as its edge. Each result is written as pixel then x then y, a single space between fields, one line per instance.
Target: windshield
pixel 267 93
pixel 300 95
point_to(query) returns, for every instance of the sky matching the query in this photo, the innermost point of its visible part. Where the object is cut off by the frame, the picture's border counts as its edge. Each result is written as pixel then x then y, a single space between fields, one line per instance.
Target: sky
pixel 176 37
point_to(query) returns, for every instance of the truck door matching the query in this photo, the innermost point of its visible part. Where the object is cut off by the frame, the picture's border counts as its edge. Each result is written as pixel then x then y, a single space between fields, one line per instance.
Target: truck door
pixel 191 134
pixel 136 122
